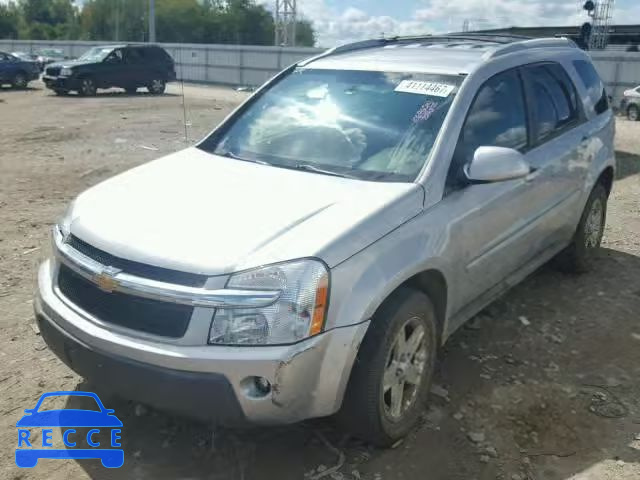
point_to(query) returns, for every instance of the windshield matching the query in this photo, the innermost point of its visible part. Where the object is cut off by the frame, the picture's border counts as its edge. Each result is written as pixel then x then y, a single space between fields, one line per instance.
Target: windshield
pixel 367 125
pixel 96 54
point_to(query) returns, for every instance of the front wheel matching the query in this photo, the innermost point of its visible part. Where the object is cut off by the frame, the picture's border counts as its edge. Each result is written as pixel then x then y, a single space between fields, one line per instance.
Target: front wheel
pixel 157 87
pixel 392 374
pixel 20 81
pixel 633 113
pixel 87 87
pixel 579 256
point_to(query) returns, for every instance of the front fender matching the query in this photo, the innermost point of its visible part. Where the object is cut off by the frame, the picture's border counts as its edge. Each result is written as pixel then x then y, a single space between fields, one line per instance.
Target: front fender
pixel 361 283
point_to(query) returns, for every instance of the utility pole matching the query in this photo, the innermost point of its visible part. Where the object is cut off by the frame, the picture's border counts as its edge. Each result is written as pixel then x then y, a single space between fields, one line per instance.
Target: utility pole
pixel 152 21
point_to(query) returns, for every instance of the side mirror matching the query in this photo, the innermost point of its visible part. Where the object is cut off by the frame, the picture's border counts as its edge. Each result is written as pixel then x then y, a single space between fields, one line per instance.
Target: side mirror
pixel 496 164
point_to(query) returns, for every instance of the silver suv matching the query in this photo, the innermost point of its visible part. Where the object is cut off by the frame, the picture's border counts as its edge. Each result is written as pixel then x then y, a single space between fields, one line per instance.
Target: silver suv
pixel 311 255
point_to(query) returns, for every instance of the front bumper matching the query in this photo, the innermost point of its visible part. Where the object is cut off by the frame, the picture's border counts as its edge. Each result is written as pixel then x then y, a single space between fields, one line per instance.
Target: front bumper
pixel 208 382
pixel 61 83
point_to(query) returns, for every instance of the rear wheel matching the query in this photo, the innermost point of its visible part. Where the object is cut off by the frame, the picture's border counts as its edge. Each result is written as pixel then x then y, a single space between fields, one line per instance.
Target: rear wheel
pixel 391 378
pixel 87 87
pixel 20 80
pixel 60 92
pixel 157 86
pixel 131 90
pixel 579 256
pixel 633 113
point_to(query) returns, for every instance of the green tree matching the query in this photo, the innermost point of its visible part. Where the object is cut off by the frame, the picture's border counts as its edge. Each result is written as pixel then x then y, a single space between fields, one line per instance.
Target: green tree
pixel 9 18
pixel 305 34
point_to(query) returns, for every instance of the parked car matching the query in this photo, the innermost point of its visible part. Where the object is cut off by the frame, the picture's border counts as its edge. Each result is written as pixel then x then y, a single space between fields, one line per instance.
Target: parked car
pixel 311 255
pixel 50 55
pixel 630 104
pixel 17 72
pixel 125 66
pixel 27 57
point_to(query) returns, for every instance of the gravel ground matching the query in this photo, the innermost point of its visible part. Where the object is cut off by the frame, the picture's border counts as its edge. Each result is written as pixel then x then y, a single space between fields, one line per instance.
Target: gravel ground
pixel 543 385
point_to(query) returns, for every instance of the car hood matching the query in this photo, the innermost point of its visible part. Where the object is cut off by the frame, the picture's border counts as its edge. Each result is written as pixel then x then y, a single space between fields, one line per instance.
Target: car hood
pixel 69 418
pixel 206 214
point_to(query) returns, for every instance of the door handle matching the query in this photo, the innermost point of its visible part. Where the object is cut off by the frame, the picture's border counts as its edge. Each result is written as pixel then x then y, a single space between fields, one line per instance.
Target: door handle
pixel 535 172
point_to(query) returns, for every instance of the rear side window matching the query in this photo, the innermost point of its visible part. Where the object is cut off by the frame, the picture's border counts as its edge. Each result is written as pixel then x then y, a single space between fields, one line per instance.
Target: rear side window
pixel 156 54
pixel 497 118
pixel 598 102
pixel 134 55
pixel 555 104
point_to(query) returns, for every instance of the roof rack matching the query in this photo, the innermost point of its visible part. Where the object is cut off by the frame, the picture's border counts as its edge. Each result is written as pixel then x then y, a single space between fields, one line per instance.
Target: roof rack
pixel 508 43
pixel 532 43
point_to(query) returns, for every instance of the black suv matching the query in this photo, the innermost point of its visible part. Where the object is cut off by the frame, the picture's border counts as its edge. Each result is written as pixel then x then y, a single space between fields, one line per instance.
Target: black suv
pixel 125 66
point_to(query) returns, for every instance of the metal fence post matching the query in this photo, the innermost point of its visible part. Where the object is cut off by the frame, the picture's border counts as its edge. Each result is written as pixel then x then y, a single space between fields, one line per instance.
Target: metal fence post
pixel 241 76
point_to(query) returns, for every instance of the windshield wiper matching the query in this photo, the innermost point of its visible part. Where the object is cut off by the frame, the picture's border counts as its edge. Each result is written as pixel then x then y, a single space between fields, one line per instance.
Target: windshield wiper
pixel 312 168
pixel 235 156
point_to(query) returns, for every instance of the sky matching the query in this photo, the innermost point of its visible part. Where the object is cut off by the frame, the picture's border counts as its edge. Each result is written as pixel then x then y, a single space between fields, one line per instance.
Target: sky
pixel 341 21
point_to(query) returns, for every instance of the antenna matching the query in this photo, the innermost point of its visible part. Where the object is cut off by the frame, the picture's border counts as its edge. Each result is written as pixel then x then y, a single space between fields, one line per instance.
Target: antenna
pixel 286 23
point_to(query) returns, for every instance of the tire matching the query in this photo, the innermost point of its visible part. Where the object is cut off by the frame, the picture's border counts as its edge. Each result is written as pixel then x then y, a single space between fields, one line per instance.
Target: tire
pixel 369 410
pixel 20 81
pixel 60 93
pixel 131 90
pixel 157 86
pixel 87 87
pixel 579 256
pixel 633 113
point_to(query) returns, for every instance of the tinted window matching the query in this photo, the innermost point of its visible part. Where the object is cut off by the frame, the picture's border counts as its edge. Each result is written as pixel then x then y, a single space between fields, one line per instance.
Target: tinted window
pixel 133 55
pixel 555 103
pixel 598 102
pixel 497 118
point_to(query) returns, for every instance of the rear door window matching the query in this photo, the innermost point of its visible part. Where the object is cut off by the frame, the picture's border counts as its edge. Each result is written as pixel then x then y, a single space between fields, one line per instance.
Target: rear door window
pixel 597 96
pixel 554 102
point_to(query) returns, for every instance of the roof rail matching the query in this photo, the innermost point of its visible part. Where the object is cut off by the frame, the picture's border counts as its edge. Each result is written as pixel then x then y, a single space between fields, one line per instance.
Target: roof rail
pixel 508 43
pixel 531 43
pixel 382 42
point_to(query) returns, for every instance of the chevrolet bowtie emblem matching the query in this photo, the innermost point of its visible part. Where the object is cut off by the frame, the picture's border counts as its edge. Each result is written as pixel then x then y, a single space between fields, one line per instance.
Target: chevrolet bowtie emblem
pixel 105 280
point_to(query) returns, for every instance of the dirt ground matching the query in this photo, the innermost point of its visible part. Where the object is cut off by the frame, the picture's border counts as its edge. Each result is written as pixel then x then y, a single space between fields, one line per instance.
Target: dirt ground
pixel 544 385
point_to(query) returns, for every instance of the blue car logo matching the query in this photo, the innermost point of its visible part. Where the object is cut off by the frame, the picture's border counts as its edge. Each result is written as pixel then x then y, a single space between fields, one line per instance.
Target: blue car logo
pixel 68 420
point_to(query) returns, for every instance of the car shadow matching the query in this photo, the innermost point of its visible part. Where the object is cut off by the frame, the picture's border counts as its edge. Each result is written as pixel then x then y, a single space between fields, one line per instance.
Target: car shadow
pixel 525 366
pixel 8 89
pixel 115 94
pixel 627 164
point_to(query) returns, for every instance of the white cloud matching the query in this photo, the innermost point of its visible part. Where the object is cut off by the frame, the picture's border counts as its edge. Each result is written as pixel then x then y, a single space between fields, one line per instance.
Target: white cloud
pixel 499 13
pixel 336 26
pixel 346 23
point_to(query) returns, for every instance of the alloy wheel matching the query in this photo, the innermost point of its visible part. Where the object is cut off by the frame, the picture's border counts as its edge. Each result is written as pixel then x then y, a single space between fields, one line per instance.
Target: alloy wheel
pixel 404 369
pixel 594 224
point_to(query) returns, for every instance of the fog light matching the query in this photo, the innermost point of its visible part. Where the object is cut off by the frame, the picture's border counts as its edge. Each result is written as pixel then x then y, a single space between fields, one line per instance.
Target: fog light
pixel 262 385
pixel 256 387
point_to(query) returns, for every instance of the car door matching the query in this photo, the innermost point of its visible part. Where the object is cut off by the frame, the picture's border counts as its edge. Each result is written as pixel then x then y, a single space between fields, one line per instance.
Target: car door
pixel 494 227
pixel 111 70
pixel 134 67
pixel 5 68
pixel 560 150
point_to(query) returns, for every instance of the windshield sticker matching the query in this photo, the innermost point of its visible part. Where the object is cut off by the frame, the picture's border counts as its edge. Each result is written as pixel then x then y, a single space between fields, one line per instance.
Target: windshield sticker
pixel 425 112
pixel 425 88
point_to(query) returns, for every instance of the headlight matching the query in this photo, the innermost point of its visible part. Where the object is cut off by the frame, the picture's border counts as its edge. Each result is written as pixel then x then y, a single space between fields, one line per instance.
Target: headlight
pixel 299 312
pixel 66 72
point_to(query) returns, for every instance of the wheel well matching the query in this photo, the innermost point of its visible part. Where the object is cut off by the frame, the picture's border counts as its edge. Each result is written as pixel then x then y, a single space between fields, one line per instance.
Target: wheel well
pixel 606 179
pixel 434 285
